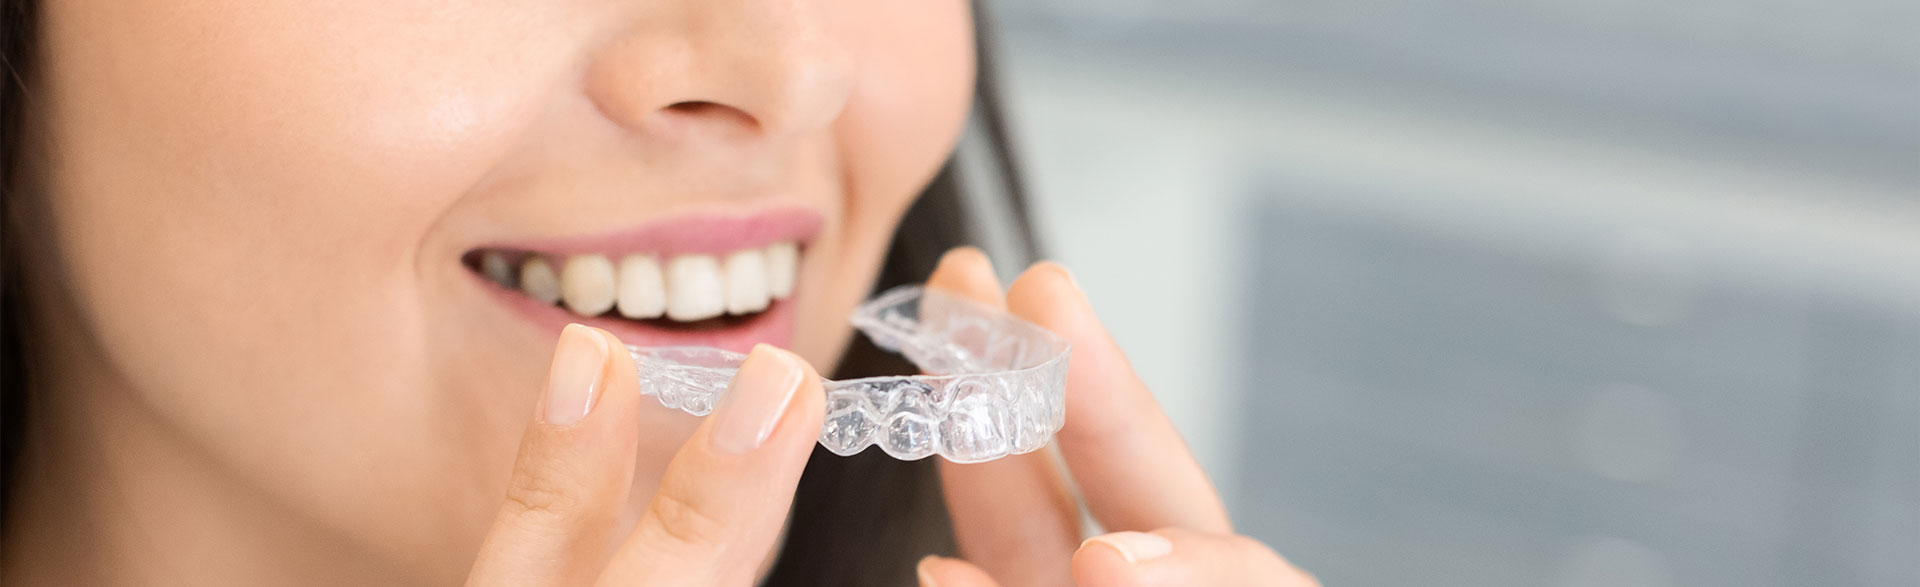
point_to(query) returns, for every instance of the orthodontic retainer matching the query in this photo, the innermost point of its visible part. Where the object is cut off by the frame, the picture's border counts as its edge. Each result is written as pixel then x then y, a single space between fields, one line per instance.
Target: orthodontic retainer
pixel 999 386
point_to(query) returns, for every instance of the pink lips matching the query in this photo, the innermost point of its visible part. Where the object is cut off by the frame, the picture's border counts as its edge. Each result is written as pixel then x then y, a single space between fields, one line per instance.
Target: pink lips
pixel 693 233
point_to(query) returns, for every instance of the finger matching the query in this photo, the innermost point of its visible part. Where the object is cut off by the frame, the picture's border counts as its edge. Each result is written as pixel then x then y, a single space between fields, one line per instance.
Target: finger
pixel 966 272
pixel 1130 463
pixel 937 571
pixel 1173 556
pixel 574 470
pixel 1014 517
pixel 726 494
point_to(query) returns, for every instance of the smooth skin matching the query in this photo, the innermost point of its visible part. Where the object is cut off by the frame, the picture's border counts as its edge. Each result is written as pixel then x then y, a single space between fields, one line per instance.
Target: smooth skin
pixel 257 356
pixel 717 511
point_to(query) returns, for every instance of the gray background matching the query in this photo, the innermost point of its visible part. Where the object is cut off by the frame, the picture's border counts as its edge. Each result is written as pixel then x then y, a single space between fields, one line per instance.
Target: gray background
pixel 1508 292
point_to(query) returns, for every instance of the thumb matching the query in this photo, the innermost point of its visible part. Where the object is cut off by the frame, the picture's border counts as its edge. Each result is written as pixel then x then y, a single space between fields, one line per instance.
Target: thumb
pixel 574 471
pixel 726 494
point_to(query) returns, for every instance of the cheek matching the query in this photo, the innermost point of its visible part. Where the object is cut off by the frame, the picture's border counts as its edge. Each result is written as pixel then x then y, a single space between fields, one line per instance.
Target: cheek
pixel 311 138
pixel 908 104
pixel 239 205
pixel 910 100
pixel 227 178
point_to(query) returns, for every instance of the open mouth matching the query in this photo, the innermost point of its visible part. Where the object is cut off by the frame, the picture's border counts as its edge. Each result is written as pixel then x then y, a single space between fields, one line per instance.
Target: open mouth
pixel 713 282
pixel 682 291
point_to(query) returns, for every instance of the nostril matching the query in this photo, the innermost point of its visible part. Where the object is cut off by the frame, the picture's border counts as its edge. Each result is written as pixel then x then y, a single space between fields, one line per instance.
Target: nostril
pixel 701 109
pixel 692 107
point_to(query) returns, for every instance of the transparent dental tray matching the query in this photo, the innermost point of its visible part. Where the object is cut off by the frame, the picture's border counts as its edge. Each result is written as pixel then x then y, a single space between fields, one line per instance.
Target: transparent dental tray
pixel 997 385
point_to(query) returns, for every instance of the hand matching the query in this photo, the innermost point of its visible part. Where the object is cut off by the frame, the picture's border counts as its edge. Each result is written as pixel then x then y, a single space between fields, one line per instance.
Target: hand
pixel 719 508
pixel 1014 519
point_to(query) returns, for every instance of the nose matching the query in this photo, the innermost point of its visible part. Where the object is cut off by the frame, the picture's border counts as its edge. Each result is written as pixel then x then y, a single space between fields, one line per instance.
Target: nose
pixel 771 67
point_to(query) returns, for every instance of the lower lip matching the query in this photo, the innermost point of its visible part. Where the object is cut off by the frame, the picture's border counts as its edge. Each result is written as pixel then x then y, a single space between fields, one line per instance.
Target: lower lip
pixel 772 326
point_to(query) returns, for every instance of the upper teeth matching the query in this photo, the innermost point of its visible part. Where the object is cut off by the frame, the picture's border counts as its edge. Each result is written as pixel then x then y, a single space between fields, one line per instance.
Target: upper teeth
pixel 746 275
pixel 694 287
pixel 643 292
pixel 586 284
pixel 537 279
pixel 781 260
pixel 690 288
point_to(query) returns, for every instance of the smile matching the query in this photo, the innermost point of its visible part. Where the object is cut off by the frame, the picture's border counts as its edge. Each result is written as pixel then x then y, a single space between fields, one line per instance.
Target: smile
pixel 696 279
pixel 684 288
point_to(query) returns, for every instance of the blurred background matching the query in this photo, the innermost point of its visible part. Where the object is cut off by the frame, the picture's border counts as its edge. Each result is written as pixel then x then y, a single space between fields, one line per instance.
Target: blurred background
pixel 1508 292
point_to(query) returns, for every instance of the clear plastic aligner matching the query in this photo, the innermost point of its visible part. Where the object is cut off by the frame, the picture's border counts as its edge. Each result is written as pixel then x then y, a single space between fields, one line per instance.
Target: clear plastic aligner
pixel 999 386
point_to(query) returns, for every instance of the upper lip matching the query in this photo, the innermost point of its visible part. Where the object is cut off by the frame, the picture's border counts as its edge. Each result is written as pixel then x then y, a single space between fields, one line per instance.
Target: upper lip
pixel 703 232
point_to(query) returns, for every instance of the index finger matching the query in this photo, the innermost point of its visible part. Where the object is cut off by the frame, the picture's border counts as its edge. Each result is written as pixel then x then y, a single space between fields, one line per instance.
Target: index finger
pixel 725 495
pixel 1014 516
pixel 1133 469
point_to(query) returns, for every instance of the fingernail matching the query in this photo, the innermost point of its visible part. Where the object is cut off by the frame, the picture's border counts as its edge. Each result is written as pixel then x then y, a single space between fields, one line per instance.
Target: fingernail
pixel 920 571
pixel 1071 280
pixel 755 400
pixel 573 381
pixel 1135 546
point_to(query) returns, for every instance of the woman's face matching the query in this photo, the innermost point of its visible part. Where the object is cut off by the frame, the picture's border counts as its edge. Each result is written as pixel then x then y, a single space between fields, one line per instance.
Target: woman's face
pixel 269 225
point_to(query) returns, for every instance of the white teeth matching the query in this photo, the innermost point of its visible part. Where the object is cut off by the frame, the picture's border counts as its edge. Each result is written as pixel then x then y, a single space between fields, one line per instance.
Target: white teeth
pixel 643 292
pixel 689 289
pixel 539 282
pixel 497 269
pixel 746 282
pixel 586 283
pixel 694 288
pixel 782 260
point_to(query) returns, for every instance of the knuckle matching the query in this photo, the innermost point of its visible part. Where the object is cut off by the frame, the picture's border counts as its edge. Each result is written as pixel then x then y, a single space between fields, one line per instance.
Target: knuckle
pixel 539 491
pixel 684 521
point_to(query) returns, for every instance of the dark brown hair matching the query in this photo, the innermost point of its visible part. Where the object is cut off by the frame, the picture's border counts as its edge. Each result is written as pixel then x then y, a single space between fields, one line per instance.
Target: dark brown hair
pixel 857 521
pixel 17 27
